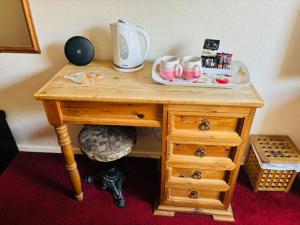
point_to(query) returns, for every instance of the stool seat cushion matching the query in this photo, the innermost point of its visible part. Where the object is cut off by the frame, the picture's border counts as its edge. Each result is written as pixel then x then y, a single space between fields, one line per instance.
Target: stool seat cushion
pixel 106 143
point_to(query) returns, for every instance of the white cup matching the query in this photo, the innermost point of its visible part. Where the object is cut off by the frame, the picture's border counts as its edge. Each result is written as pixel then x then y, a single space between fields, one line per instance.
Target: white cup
pixel 169 67
pixel 192 67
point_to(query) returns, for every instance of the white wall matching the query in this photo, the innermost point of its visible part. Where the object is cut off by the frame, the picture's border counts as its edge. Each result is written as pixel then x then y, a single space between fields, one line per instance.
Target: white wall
pixel 264 34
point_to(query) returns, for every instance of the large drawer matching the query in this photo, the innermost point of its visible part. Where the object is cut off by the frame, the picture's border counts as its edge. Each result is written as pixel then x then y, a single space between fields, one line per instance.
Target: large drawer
pixel 190 197
pixel 112 113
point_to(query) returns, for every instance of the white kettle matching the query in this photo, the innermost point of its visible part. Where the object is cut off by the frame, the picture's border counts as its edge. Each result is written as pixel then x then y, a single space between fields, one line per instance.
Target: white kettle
pixel 129 53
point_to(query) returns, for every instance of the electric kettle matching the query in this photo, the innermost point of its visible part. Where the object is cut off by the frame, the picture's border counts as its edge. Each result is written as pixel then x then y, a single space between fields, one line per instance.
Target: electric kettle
pixel 129 51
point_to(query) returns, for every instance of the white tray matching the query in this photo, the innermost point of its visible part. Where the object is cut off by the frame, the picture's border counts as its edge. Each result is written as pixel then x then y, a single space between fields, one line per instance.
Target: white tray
pixel 235 80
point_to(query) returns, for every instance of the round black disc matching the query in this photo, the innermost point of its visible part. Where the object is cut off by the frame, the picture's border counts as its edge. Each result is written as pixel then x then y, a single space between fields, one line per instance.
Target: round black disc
pixel 79 50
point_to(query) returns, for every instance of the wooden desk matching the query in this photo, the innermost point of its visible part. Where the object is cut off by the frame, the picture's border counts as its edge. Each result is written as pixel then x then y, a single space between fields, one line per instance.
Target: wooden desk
pixel 204 131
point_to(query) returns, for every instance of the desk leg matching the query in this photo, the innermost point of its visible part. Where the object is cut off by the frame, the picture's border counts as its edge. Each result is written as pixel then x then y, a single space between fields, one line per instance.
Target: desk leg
pixel 66 148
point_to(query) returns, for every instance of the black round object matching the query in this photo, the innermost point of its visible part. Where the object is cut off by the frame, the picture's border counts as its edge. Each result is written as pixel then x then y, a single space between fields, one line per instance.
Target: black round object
pixel 79 50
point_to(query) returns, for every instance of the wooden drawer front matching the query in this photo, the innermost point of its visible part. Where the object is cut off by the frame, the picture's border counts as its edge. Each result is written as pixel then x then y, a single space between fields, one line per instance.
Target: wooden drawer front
pixel 199 151
pixel 209 163
pixel 194 174
pixel 182 122
pixel 200 179
pixel 112 114
pixel 190 197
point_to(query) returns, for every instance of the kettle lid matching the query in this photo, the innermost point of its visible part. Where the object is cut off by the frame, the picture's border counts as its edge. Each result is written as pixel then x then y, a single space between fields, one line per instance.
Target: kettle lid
pixel 124 24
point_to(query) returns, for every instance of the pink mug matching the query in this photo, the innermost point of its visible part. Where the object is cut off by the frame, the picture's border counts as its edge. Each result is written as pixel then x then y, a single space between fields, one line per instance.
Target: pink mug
pixel 192 67
pixel 169 67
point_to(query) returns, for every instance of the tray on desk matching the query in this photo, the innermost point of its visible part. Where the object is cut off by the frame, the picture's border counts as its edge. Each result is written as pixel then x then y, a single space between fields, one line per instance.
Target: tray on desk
pixel 235 80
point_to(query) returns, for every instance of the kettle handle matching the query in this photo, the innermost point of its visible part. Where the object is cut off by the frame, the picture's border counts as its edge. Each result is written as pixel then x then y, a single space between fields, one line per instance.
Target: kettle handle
pixel 147 43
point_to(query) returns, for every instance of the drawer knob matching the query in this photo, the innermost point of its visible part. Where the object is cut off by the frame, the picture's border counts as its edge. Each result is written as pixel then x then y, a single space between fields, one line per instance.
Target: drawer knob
pixel 193 195
pixel 204 125
pixel 196 175
pixel 141 116
pixel 200 152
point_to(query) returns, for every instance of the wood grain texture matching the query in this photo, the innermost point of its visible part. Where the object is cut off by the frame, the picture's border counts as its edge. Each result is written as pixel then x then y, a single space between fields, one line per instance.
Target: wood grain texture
pixel 228 218
pixel 207 138
pixel 134 99
pixel 34 47
pixel 71 166
pixel 163 156
pixel 268 180
pixel 30 26
pixel 205 199
pixel 214 163
pixel 138 87
pixel 185 192
pixel 239 155
pixel 230 111
pixel 181 121
pixel 148 115
pixel 163 210
pixel 204 184
pixel 53 112
pixel 153 153
pixel 189 174
pixel 178 149
pixel 275 149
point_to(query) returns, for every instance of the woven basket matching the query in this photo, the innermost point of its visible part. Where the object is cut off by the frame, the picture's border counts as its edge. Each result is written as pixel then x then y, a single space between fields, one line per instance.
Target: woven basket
pixel 276 150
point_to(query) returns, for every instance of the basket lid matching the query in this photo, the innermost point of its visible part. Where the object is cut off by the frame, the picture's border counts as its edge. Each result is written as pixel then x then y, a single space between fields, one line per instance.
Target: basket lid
pixel 275 148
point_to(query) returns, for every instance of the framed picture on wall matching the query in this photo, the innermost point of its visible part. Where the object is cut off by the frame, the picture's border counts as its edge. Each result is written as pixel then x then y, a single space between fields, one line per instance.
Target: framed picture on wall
pixel 17 32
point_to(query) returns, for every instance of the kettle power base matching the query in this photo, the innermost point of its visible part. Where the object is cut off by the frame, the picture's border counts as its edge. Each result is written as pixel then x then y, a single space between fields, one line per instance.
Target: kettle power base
pixel 128 70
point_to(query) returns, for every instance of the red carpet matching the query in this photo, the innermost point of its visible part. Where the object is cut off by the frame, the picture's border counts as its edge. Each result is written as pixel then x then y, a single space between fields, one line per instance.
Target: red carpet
pixel 35 191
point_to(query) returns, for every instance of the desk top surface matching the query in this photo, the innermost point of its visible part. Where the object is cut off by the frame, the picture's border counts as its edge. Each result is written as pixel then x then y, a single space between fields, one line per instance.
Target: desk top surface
pixel 138 87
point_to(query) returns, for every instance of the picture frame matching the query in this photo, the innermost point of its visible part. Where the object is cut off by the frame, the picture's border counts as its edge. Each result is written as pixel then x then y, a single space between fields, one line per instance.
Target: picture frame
pixel 16 8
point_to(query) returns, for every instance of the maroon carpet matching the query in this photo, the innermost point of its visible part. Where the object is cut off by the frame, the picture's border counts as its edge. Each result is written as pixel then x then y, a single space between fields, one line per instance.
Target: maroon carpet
pixel 35 190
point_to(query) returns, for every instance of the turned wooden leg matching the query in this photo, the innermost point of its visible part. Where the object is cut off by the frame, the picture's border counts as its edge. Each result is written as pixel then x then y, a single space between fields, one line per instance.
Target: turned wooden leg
pixel 66 148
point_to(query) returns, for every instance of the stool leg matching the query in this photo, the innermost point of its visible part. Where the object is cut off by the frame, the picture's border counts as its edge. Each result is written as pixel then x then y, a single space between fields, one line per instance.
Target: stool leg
pixel 113 180
pixel 92 179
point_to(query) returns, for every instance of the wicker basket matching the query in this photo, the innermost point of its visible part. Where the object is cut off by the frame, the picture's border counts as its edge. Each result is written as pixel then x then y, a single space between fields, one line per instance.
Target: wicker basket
pixel 275 150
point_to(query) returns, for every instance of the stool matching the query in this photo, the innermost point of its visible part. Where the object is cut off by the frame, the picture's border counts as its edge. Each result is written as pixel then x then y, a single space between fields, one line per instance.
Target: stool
pixel 108 144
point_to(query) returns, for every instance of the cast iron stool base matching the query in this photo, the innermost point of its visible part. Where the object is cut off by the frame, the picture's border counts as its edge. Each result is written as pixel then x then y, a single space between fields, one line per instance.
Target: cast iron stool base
pixel 111 179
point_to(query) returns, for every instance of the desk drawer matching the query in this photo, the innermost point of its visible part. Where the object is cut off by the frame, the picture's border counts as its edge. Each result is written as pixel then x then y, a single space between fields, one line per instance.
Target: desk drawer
pixel 199 151
pixel 191 197
pixel 194 174
pixel 112 113
pixel 202 179
pixel 182 122
pixel 206 163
